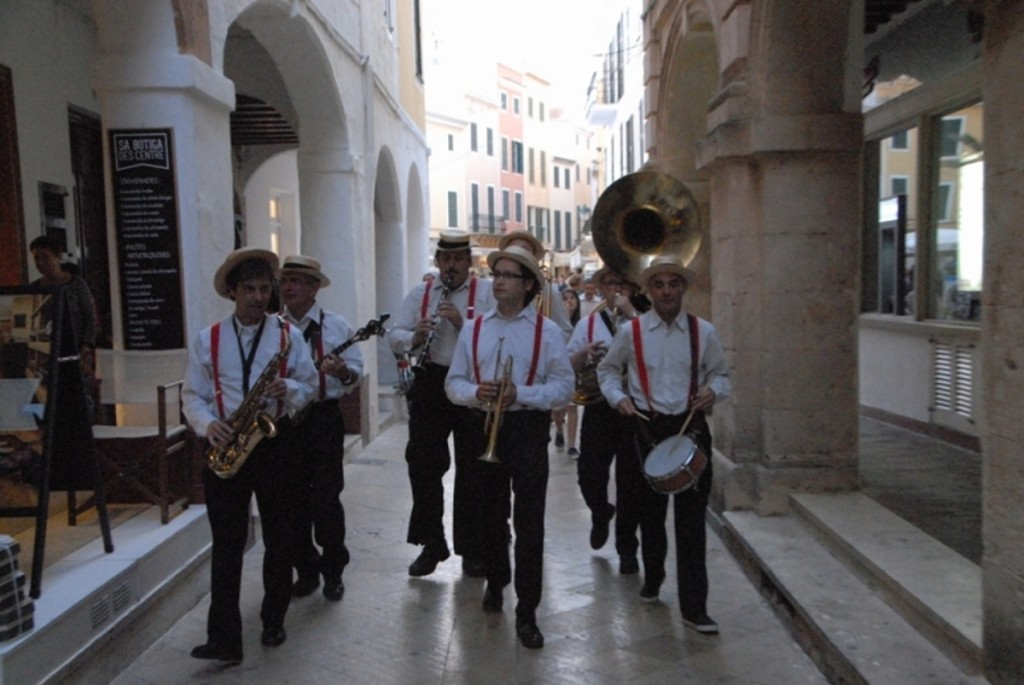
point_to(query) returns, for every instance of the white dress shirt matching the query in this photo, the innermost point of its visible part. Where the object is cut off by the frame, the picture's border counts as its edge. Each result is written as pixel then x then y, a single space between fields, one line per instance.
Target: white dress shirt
pixel 581 337
pixel 666 349
pixel 334 330
pixel 587 307
pixel 441 348
pixel 199 401
pixel 554 379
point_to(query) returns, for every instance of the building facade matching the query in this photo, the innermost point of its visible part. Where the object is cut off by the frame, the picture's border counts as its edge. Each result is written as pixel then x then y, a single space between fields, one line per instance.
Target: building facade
pixel 297 127
pixel 793 123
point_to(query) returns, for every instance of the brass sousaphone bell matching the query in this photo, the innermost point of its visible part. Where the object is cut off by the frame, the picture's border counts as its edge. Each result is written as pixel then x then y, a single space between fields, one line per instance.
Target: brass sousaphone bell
pixel 642 216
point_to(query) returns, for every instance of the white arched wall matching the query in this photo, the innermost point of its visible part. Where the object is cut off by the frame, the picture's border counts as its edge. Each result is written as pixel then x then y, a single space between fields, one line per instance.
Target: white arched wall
pixel 325 168
pixel 389 245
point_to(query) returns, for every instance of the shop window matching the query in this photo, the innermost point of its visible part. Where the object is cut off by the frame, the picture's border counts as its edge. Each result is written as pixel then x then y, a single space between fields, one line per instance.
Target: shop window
pixel 959 222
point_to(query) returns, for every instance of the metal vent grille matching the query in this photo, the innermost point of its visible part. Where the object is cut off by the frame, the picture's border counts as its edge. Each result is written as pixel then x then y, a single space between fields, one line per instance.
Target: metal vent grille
pixel 100 612
pixel 104 608
pixel 953 371
pixel 122 597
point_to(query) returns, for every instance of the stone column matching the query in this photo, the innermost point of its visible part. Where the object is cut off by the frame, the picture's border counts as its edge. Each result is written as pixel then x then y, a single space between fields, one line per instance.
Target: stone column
pixel 785 259
pixel 783 151
pixel 148 75
pixel 1002 350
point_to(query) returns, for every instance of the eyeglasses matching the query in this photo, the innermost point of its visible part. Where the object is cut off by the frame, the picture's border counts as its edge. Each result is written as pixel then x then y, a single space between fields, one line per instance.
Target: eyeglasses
pixel 506 275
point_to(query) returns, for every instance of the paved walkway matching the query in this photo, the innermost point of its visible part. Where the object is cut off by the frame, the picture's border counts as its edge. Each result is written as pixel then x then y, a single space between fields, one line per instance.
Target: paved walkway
pixel 391 628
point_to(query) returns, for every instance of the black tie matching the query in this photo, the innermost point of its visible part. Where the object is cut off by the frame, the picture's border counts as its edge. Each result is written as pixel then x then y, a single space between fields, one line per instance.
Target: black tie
pixel 312 331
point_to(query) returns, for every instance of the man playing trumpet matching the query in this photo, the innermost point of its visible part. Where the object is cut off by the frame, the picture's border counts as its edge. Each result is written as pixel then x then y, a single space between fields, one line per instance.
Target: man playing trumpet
pixel 539 378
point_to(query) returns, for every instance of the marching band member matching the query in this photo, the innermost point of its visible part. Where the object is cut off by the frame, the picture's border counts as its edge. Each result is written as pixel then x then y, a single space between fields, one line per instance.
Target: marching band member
pixel 431 317
pixel 538 379
pixel 224 360
pixel 320 439
pixel 675 366
pixel 604 434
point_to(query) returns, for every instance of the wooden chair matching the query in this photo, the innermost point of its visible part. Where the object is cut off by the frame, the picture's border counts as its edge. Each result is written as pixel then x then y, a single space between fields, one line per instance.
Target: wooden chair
pixel 143 453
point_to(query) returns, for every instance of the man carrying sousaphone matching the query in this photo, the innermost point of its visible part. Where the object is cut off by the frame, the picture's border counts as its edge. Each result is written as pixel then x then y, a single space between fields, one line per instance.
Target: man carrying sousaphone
pixel 604 435
pixel 513 362
pixel 247 363
pixel 676 371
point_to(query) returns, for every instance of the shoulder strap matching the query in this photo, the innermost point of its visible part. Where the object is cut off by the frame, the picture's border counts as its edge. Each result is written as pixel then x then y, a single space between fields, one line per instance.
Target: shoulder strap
pixel 691 322
pixel 537 335
pixel 214 361
pixel 425 305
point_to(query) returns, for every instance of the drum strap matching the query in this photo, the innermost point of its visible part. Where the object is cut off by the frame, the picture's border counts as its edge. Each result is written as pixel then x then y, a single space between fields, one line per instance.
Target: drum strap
pixel 641 366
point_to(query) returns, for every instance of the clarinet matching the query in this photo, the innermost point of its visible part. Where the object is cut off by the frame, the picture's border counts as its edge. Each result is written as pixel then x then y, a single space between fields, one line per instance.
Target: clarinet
pixel 421 359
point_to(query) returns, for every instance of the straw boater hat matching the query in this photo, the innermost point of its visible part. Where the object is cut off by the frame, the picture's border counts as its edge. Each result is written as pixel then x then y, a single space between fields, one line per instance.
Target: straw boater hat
pixel 220 279
pixel 454 240
pixel 297 264
pixel 537 246
pixel 517 254
pixel 662 265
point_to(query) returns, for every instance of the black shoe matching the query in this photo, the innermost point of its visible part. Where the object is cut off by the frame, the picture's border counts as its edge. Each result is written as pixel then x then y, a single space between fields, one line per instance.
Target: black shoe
pixel 303 587
pixel 334 590
pixel 428 560
pixel 649 592
pixel 559 441
pixel 629 565
pixel 474 568
pixel 494 600
pixel 702 624
pixel 273 637
pixel 529 635
pixel 599 531
pixel 217 653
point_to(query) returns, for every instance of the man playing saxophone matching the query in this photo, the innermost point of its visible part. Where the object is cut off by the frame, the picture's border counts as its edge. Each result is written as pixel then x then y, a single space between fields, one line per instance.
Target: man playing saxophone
pixel 225 362
pixel 520 397
pixel 427 316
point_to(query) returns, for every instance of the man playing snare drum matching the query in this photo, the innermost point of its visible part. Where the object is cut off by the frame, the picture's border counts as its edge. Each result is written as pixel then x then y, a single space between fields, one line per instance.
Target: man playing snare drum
pixel 681 371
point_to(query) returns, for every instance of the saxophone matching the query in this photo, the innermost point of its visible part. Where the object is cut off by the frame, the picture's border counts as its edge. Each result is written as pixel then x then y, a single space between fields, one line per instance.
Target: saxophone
pixel 249 422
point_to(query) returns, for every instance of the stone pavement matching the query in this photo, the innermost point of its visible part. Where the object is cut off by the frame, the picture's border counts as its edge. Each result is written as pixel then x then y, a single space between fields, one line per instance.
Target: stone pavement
pixel 391 628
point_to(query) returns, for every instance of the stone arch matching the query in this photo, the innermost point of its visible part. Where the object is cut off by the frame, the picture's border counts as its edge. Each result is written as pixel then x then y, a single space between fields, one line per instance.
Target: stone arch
pixel 688 81
pixel 281 59
pixel 389 243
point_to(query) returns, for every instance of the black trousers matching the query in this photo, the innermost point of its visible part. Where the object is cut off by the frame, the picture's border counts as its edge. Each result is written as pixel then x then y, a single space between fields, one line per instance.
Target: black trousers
pixel 523 472
pixel 317 446
pixel 605 435
pixel 270 474
pixel 432 418
pixel 689 509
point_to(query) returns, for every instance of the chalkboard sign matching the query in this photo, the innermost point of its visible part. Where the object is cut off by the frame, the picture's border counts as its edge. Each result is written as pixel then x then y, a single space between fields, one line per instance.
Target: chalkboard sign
pixel 149 260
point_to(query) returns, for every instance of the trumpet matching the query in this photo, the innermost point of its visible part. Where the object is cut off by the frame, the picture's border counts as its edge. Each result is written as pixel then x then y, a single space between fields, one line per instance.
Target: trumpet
pixel 435 318
pixel 492 422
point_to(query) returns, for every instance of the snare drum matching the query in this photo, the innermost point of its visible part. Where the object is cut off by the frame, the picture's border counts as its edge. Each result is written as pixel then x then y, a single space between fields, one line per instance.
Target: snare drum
pixel 674 465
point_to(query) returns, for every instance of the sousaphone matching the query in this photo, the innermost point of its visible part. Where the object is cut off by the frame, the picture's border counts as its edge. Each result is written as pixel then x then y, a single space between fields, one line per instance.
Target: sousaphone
pixel 642 216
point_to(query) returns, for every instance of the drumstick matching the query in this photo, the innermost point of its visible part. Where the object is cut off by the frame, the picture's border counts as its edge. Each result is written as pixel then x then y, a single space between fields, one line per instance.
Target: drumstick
pixel 686 423
pixel 641 416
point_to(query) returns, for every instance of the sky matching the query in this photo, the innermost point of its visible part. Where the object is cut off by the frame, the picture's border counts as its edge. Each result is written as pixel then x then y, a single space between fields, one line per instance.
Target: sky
pixel 559 40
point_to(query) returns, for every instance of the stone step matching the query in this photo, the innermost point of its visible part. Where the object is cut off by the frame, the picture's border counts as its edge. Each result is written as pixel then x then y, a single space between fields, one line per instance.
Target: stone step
pixel 98 611
pixel 937 590
pixel 851 631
